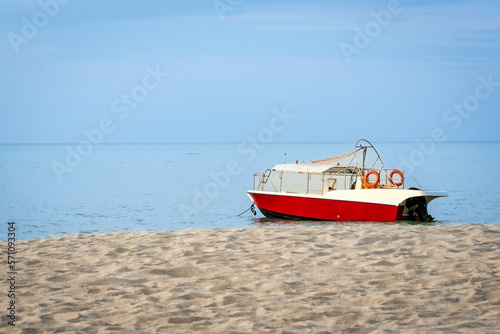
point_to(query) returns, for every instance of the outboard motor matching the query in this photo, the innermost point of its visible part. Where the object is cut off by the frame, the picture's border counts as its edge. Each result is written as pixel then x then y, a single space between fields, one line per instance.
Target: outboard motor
pixel 417 207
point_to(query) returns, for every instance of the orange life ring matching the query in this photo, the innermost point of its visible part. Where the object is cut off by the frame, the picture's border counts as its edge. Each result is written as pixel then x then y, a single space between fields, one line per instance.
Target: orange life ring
pixel 372 184
pixel 399 184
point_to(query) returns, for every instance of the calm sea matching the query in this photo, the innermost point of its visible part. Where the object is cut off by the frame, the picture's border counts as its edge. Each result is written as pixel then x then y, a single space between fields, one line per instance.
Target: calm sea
pixel 57 190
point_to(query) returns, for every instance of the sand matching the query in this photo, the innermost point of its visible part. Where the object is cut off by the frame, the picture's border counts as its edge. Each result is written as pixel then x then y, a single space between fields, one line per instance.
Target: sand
pixel 342 278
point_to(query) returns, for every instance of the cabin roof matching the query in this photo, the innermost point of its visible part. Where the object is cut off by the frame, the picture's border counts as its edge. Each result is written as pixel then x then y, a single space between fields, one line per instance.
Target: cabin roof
pixel 314 168
pixel 344 163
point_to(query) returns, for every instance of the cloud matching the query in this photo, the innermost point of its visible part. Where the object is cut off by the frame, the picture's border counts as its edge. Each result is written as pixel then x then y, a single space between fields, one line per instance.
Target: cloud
pixel 439 16
pixel 298 16
pixel 466 16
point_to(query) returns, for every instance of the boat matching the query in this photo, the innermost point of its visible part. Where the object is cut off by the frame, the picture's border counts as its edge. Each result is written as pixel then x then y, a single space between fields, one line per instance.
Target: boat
pixel 354 186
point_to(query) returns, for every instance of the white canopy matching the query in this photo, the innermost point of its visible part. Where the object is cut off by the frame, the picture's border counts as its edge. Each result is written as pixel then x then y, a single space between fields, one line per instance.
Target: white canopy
pixel 344 163
pixel 310 168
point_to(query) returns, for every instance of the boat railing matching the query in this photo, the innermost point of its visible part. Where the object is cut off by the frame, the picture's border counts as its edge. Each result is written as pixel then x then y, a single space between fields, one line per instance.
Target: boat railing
pixel 318 183
pixel 261 178
pixel 257 179
pixel 388 178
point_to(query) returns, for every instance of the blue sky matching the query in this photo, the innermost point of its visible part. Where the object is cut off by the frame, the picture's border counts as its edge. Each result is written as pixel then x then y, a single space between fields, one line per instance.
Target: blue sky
pixel 230 63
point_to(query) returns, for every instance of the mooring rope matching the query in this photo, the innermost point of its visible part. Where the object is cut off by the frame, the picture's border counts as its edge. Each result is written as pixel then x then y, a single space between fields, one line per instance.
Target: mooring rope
pixel 252 207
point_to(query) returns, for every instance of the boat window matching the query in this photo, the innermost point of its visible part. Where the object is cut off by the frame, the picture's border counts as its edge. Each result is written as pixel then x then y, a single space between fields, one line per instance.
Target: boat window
pixel 316 184
pixel 330 185
pixel 294 182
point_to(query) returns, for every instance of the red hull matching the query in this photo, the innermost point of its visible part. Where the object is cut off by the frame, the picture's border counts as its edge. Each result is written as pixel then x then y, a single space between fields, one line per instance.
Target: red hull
pixel 325 209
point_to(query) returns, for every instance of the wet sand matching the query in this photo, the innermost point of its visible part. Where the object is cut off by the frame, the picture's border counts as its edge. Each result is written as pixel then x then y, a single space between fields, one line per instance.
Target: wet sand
pixel 332 278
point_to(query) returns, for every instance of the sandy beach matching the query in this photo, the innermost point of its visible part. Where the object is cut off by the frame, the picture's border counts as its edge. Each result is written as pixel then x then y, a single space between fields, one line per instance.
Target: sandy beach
pixel 286 279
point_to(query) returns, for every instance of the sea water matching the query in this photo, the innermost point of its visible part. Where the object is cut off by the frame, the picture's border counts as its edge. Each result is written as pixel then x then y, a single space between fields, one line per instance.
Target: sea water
pixel 53 190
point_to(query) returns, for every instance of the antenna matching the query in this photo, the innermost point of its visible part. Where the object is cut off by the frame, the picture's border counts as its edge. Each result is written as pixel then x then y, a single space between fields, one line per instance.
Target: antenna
pixel 285 159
